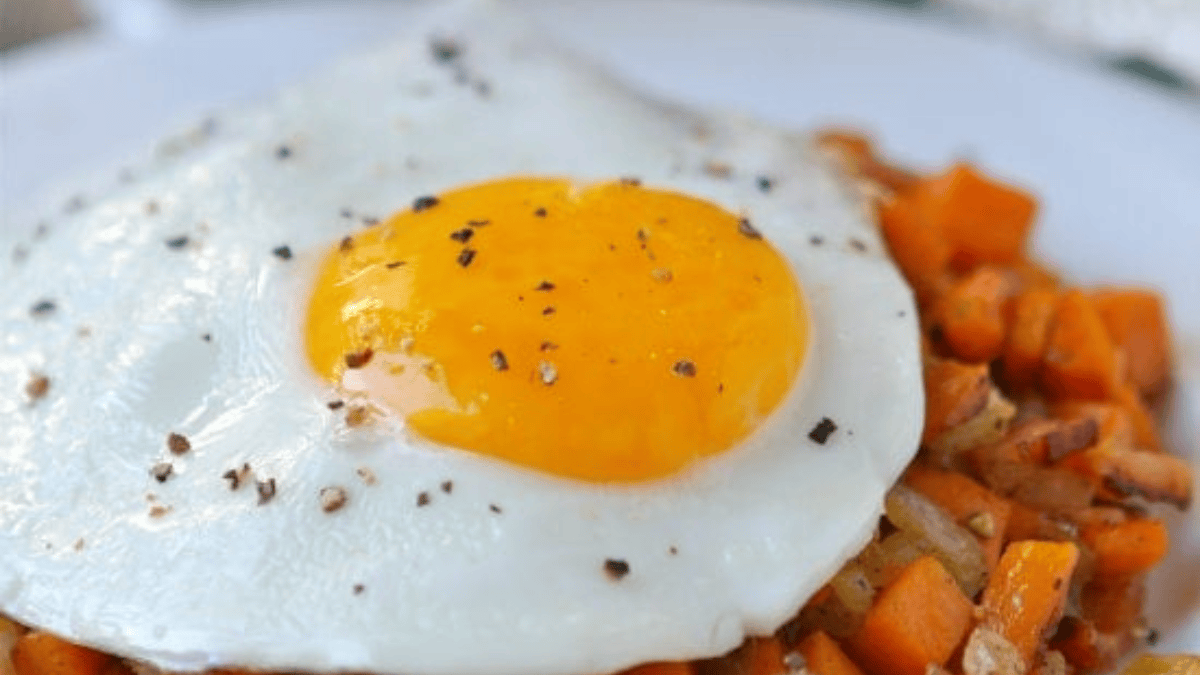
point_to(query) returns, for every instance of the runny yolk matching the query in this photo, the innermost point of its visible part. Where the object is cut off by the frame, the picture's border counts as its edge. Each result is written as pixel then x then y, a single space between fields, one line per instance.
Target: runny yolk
pixel 606 332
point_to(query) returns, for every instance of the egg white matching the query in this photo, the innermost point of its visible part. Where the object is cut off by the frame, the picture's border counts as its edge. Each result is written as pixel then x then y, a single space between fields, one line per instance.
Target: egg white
pixel 503 572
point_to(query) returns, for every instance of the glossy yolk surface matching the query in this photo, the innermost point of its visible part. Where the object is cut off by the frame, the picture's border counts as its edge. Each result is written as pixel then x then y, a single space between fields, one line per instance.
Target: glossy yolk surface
pixel 606 332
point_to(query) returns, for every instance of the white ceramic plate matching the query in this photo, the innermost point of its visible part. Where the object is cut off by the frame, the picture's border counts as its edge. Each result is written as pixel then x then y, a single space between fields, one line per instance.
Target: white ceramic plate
pixel 1114 160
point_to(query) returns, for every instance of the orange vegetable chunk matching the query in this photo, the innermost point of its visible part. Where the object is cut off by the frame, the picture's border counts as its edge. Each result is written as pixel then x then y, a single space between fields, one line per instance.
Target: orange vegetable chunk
pixel 954 393
pixel 983 221
pixel 1029 327
pixel 971 314
pixel 921 618
pixel 763 656
pixel 918 247
pixel 1025 596
pixel 1122 549
pixel 1137 323
pixel 38 653
pixel 1080 360
pixel 823 656
pixel 969 503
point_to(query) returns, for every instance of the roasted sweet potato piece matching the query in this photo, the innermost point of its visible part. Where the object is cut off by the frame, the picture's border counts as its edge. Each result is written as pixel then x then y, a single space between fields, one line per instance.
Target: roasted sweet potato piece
pixel 954 393
pixel 920 619
pixel 1137 323
pixel 38 653
pixel 1080 360
pixel 1126 548
pixel 1029 327
pixel 983 221
pixel 823 656
pixel 917 247
pixel 970 314
pixel 1026 595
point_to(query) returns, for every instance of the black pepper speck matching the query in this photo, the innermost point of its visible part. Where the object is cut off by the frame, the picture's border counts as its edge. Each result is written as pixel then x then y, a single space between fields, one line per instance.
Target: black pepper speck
pixel 824 429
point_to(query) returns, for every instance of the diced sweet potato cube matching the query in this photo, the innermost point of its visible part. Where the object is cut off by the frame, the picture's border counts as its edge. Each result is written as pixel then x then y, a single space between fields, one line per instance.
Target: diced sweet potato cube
pixel 917 246
pixel 823 656
pixel 1029 327
pixel 918 620
pixel 1137 323
pixel 971 314
pixel 983 221
pixel 1126 548
pixel 954 393
pixel 1025 597
pixel 1080 360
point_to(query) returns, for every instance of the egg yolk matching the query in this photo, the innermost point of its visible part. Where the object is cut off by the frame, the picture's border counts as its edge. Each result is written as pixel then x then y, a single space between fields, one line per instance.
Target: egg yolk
pixel 606 332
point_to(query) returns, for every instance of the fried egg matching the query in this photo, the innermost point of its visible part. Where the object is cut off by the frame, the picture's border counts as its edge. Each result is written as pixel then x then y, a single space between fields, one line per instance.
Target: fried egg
pixel 459 358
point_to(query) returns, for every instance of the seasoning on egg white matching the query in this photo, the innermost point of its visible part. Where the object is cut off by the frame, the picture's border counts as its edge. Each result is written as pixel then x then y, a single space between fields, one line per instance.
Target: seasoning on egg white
pixel 747 229
pixel 447 486
pixel 858 245
pixel 37 387
pixel 266 490
pixel 764 184
pixel 822 431
pixel 424 203
pixel 423 499
pixel 616 569
pixel 178 444
pixel 162 471
pixel 444 50
pixel 495 509
pixel 335 405
pixel 282 252
pixel 177 242
pixel 357 415
pixel 159 510
pixel 41 308
pixel 346 245
pixel 816 240
pixel 283 152
pixel 237 477
pixel 367 475
pixel 333 498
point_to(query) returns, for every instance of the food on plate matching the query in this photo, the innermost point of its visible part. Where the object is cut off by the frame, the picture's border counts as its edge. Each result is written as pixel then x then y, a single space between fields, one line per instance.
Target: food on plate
pixel 462 358
pixel 353 382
